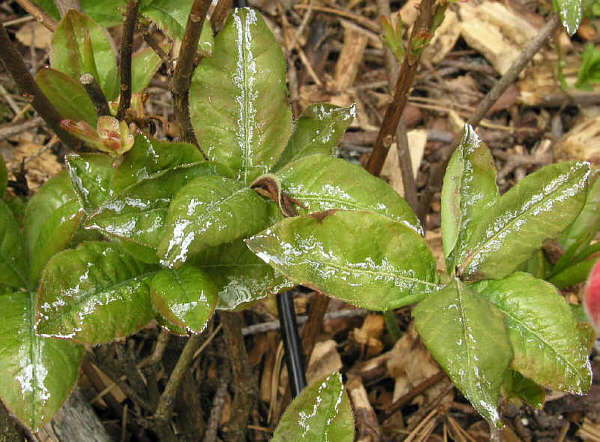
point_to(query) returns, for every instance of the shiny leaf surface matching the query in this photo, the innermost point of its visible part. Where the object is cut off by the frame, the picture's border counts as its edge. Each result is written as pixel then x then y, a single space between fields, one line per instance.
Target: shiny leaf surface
pixel 571 13
pixel 207 212
pixel 359 257
pixel 80 45
pixel 241 277
pixel 321 412
pixel 542 330
pixel 13 262
pixel 138 213
pixel 144 65
pixel 37 373
pixel 91 176
pixel 67 95
pixel 466 335
pixel 539 207
pixel 318 130
pixel 238 98
pixel 185 297
pixel 468 192
pixel 321 183
pixel 94 294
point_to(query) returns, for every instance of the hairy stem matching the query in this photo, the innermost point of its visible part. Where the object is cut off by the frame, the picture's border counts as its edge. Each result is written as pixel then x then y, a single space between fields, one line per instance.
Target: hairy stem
pixel 126 50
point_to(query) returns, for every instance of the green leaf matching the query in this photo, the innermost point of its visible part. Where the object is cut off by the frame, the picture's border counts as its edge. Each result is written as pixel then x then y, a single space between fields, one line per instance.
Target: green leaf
pixel 49 7
pixel 80 45
pixel 362 258
pixel 574 274
pixel 106 13
pixel 3 177
pixel 149 159
pixel 469 191
pixel 466 335
pixel 207 212
pixel 516 386
pixel 238 98
pixel 91 175
pixel 538 208
pixel 13 261
pixel 138 213
pixel 589 68
pixel 144 65
pixel 185 297
pixel 321 412
pixel 570 12
pixel 94 294
pixel 241 277
pixel 37 373
pixel 318 130
pixel 543 332
pixel 67 95
pixel 321 183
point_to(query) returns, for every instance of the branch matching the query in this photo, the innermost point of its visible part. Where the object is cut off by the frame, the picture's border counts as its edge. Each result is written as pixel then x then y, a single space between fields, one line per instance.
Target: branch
pixel 182 79
pixel 39 14
pixel 14 64
pixel 125 65
pixel 421 28
pixel 220 14
pixel 94 91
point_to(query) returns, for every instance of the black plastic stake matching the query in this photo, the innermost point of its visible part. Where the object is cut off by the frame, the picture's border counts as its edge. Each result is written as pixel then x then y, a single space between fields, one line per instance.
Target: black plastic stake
pixel 294 356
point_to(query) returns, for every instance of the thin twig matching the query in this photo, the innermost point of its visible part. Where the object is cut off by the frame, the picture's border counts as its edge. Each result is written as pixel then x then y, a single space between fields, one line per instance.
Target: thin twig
pixel 155 45
pixel 39 14
pixel 406 77
pixel 14 64
pixel 220 14
pixel 11 129
pixel 218 404
pixel 159 350
pixel 126 50
pixel 310 332
pixel 92 87
pixel 14 106
pixel 182 78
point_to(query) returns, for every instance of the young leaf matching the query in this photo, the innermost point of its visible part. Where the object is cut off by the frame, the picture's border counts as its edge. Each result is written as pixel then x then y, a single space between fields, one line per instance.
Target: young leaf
pixel 517 386
pixel 13 263
pixel 144 65
pixel 94 294
pixel 574 274
pixel 149 159
pixel 318 130
pixel 185 297
pixel 80 45
pixel 570 12
pixel 362 258
pixel 238 98
pixel 466 335
pixel 91 175
pixel 51 219
pixel 321 183
pixel 138 213
pixel 539 207
pixel 207 212
pixel 242 278
pixel 589 70
pixel 320 413
pixel 469 191
pixel 106 13
pixel 67 95
pixel 543 332
pixel 37 373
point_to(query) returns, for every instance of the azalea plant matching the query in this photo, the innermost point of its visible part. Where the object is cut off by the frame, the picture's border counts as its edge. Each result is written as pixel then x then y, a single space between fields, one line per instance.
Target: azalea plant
pixel 154 230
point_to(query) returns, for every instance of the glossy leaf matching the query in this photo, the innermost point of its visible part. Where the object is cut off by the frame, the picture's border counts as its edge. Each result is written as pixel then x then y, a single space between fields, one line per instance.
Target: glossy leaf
pixel 37 373
pixel 207 212
pixel 466 335
pixel 362 258
pixel 570 12
pixel 144 65
pixel 185 297
pixel 543 332
pixel 94 294
pixel 138 213
pixel 321 183
pixel 67 95
pixel 517 386
pixel 539 207
pixel 469 191
pixel 241 277
pixel 318 130
pixel 80 45
pixel 150 158
pixel 91 175
pixel 13 262
pixel 321 412
pixel 3 177
pixel 238 98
